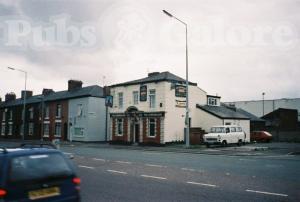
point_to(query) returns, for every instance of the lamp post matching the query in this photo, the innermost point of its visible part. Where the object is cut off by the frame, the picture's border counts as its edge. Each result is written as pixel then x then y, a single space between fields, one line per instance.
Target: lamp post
pixel 263 103
pixel 24 99
pixel 187 117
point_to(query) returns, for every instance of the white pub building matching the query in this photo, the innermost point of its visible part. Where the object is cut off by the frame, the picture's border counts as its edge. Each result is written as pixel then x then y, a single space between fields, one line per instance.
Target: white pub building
pixel 152 109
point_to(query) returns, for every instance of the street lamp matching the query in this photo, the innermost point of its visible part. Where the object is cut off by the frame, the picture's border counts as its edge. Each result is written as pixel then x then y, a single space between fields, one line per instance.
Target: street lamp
pixel 263 102
pixel 24 99
pixel 187 117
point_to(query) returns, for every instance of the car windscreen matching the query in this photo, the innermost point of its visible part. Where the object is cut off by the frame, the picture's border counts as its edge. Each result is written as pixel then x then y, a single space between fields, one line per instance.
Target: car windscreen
pixel 217 130
pixel 38 166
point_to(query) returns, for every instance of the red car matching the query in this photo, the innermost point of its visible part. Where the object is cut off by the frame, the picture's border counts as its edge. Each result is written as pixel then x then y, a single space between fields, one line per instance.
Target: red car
pixel 260 136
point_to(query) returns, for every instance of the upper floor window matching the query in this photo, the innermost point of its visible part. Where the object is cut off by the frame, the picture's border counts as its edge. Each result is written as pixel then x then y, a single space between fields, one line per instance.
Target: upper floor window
pixel 58 110
pixel 152 98
pixel 3 115
pixel 10 114
pixel 212 101
pixel 31 112
pixel 46 112
pixel 135 97
pixel 120 96
pixel 79 110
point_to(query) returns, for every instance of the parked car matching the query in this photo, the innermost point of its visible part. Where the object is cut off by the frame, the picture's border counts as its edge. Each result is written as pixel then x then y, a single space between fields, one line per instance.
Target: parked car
pixel 39 174
pixel 260 136
pixel 224 135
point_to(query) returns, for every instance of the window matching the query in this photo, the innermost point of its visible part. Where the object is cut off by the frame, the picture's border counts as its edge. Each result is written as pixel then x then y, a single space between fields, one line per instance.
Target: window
pixel 78 132
pixel 212 101
pixel 3 115
pixel 31 113
pixel 227 130
pixel 31 128
pixel 10 114
pixel 120 127
pixel 22 115
pixel 3 129
pixel 232 129
pixel 10 129
pixel 46 129
pixel 152 127
pixel 58 110
pixel 152 98
pixel 79 110
pixel 46 112
pixel 135 97
pixel 21 129
pixel 239 129
pixel 57 130
pixel 120 95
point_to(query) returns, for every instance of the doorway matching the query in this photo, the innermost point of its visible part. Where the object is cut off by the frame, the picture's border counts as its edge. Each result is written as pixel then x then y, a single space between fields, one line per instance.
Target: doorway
pixel 137 132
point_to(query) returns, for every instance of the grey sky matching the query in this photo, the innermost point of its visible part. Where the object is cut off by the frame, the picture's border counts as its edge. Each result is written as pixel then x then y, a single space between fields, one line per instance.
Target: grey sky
pixel 237 48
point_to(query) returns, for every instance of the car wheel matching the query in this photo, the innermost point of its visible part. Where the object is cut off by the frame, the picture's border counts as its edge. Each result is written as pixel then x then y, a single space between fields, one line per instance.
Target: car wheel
pixel 239 143
pixel 224 143
pixel 207 145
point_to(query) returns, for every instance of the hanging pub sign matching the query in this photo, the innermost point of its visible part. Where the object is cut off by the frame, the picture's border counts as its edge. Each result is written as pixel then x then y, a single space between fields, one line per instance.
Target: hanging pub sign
pixel 109 101
pixel 143 93
pixel 180 91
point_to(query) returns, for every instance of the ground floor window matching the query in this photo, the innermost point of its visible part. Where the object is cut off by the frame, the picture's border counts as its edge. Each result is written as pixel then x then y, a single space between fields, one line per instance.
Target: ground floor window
pixel 10 129
pixel 120 127
pixel 152 127
pixel 78 132
pixel 57 130
pixel 3 130
pixel 46 129
pixel 30 129
pixel 21 129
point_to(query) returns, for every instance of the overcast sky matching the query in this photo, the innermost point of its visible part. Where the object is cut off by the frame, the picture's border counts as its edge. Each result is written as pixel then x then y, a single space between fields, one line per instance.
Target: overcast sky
pixel 237 48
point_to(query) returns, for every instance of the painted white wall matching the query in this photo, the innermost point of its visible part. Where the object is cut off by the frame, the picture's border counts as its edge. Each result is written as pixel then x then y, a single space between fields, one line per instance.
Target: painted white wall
pixel 256 107
pixel 92 120
pixel 174 121
pixel 206 120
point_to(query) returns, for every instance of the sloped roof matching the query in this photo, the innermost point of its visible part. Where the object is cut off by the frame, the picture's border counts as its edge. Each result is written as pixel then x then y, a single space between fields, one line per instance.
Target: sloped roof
pixel 251 116
pixel 222 112
pixel 89 91
pixel 162 76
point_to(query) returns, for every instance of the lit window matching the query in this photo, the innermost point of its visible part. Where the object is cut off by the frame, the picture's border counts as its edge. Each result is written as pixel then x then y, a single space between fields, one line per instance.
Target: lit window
pixel 135 97
pixel 120 95
pixel 152 98
pixel 152 127
pixel 120 127
pixel 57 130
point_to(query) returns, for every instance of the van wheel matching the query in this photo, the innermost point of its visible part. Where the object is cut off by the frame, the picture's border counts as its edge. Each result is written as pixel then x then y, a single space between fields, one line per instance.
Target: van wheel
pixel 240 143
pixel 224 143
pixel 207 145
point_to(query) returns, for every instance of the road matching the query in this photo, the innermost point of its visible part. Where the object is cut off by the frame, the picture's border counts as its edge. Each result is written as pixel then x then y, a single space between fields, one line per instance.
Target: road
pixel 110 174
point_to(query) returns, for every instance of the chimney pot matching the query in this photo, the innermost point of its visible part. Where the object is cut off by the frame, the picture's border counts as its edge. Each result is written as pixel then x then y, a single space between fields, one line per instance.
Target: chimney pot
pixel 74 84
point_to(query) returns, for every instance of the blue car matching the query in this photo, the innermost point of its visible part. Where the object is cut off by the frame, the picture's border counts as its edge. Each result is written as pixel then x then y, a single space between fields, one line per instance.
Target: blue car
pixel 37 174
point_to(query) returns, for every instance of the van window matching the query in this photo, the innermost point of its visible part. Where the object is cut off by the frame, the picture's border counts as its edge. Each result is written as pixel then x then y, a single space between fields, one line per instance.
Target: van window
pixel 227 130
pixel 232 129
pixel 239 129
pixel 217 130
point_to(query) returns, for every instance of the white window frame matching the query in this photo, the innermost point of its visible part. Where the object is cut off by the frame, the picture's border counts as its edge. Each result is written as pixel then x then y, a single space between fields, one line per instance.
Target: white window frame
pixel 152 98
pixel 46 132
pixel 149 127
pixel 135 96
pixel 47 111
pixel 10 129
pixel 30 129
pixel 22 129
pixel 212 101
pixel 121 100
pixel 55 129
pixel 58 111
pixel 119 127
pixel 3 129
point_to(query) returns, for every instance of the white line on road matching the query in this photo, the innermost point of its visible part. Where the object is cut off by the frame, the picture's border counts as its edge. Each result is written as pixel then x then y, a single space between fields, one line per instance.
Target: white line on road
pixel 96 159
pixel 68 153
pixel 82 166
pixel 188 169
pixel 125 162
pixel 202 184
pixel 155 177
pixel 116 171
pixel 269 193
pixel 154 165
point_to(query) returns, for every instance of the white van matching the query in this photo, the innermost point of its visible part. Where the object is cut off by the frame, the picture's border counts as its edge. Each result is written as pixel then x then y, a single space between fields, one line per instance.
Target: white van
pixel 228 134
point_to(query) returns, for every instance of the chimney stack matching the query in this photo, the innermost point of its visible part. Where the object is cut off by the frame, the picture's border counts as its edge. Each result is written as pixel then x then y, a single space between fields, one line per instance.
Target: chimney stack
pixel 27 92
pixel 10 97
pixel 153 74
pixel 74 84
pixel 47 91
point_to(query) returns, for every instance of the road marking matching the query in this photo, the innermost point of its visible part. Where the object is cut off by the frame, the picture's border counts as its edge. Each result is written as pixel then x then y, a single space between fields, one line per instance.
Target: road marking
pixel 247 160
pixel 125 162
pixel 68 153
pixel 116 171
pixel 155 177
pixel 82 166
pixel 96 159
pixel 269 193
pixel 154 165
pixel 202 184
pixel 188 169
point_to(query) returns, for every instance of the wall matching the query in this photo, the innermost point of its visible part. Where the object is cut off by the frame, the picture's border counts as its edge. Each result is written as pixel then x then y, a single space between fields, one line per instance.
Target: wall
pixel 256 107
pixel 206 120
